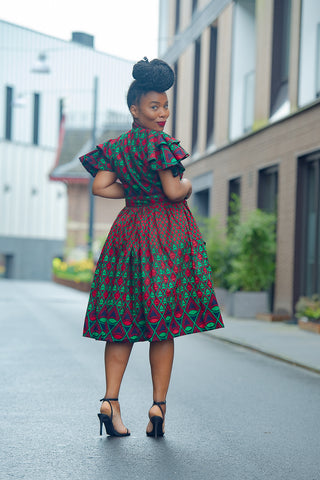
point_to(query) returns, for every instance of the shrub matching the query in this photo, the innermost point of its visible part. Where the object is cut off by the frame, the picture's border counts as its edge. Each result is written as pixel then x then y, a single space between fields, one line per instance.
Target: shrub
pixel 253 242
pixel 78 271
pixel 219 253
pixel 309 307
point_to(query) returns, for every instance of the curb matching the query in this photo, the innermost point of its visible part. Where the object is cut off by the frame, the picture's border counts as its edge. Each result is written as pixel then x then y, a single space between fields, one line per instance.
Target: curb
pixel 275 356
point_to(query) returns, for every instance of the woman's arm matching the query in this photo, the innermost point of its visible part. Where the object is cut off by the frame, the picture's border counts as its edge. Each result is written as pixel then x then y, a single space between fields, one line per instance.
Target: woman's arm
pixel 175 189
pixel 105 185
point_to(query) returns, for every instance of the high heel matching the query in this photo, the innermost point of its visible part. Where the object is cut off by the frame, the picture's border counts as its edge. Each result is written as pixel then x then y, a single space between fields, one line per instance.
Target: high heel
pixel 106 420
pixel 157 422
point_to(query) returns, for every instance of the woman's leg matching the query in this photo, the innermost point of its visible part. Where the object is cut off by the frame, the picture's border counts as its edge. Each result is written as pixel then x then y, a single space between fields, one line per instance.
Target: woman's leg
pixel 116 359
pixel 161 359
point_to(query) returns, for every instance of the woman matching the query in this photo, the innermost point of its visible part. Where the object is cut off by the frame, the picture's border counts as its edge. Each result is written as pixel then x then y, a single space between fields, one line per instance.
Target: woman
pixel 153 279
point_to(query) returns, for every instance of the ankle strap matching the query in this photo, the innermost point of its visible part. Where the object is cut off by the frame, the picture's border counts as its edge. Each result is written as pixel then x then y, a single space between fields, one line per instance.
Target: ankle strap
pixel 109 400
pixel 159 405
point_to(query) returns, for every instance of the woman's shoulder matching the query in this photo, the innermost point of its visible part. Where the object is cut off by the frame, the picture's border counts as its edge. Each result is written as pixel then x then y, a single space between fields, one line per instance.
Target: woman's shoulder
pixel 112 145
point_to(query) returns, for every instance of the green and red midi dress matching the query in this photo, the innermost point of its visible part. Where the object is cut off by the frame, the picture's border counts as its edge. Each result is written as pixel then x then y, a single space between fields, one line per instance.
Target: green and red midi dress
pixel 153 279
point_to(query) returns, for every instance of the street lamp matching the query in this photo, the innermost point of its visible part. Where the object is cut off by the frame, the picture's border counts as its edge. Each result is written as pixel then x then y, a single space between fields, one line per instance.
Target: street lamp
pixel 41 66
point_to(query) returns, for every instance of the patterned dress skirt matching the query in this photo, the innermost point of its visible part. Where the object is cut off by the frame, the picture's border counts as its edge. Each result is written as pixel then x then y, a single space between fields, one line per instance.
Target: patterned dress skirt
pixel 153 279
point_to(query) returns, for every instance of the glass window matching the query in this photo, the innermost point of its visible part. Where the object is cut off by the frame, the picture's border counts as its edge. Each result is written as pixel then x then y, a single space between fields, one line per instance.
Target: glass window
pixel 8 113
pixel 242 85
pixel 234 195
pixel 177 22
pixel 280 55
pixel 196 94
pixel 200 202
pixel 212 84
pixel 268 189
pixel 194 5
pixel 308 226
pixel 309 56
pixel 36 123
pixel 234 192
pixel 248 101
pixel 318 62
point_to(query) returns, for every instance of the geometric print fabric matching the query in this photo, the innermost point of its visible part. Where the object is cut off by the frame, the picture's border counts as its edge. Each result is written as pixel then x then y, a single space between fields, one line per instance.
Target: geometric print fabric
pixel 153 279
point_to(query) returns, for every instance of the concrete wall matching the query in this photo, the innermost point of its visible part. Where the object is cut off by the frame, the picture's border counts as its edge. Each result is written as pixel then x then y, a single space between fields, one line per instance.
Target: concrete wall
pixel 29 258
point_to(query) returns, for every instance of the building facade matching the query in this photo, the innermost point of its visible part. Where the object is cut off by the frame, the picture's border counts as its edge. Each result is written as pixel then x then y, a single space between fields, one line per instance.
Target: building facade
pixel 246 105
pixel 44 81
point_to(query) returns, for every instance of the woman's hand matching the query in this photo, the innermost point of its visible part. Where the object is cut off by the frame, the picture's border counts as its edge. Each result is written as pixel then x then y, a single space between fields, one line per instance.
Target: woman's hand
pixel 105 185
pixel 175 189
pixel 190 188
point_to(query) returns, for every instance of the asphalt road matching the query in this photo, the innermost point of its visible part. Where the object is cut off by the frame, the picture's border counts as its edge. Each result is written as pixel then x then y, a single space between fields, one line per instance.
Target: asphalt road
pixel 232 414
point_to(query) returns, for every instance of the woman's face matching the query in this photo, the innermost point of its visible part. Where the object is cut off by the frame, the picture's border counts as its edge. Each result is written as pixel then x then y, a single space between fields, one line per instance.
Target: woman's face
pixel 152 111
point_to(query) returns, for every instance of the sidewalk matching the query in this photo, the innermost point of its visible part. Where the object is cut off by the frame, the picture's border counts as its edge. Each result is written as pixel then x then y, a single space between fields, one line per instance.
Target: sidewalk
pixel 280 340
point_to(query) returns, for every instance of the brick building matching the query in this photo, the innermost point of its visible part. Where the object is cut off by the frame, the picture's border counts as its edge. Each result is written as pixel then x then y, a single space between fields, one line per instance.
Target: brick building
pixel 246 106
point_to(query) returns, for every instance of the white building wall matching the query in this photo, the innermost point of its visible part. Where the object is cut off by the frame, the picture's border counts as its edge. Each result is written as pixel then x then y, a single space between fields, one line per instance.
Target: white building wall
pixel 33 209
pixel 31 205
pixel 72 71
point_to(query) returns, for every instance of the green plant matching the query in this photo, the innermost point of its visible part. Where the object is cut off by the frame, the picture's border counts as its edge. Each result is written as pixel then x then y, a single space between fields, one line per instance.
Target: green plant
pixel 309 307
pixel 234 215
pixel 253 243
pixel 78 271
pixel 217 249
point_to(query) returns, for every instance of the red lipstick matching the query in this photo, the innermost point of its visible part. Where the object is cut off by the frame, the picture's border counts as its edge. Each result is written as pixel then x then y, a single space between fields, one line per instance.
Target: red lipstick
pixel 161 124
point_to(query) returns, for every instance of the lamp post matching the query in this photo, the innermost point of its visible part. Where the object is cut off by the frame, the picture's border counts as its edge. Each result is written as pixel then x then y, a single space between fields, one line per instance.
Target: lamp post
pixel 93 141
pixel 41 66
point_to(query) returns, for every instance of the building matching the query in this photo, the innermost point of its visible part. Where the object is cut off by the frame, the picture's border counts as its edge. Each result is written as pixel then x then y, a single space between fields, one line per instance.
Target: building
pixel 246 105
pixel 36 98
pixel 68 169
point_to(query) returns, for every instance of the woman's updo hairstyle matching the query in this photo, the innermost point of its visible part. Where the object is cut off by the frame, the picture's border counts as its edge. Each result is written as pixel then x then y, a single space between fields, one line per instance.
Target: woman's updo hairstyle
pixel 155 76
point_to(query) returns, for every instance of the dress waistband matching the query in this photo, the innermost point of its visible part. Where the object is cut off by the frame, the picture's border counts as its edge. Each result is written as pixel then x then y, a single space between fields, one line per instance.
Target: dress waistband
pixel 148 202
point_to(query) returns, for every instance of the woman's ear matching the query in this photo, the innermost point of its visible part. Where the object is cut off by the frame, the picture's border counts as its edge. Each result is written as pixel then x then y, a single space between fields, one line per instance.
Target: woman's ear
pixel 134 110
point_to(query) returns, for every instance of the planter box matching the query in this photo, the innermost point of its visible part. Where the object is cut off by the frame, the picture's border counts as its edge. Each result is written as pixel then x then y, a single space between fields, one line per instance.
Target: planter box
pixel 243 304
pixel 273 317
pixel 310 326
pixel 249 304
pixel 224 300
pixel 82 286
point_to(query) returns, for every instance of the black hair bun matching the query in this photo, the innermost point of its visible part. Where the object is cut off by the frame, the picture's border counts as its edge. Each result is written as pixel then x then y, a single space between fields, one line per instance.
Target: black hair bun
pixel 155 75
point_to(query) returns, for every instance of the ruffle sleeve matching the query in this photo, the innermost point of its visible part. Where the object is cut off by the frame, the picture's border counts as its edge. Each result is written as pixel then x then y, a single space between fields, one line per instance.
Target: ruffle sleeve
pixel 166 152
pixel 98 159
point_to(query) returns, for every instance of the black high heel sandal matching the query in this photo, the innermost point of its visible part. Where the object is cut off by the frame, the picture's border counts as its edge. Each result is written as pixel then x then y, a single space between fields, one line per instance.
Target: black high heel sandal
pixel 107 421
pixel 157 422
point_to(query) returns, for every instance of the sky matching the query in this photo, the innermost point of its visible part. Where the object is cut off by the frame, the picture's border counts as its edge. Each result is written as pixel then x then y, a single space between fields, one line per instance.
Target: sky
pixel 125 28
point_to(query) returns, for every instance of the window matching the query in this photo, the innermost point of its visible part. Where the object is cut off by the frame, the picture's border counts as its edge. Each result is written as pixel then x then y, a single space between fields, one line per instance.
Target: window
pixel 175 99
pixel 6 266
pixel 201 202
pixel 309 57
pixel 212 85
pixel 8 118
pixel 177 22
pixel 234 191
pixel 308 227
pixel 248 101
pixel 268 189
pixel 242 85
pixel 194 5
pixel 61 111
pixel 201 187
pixel 234 203
pixel 36 111
pixel 196 92
pixel 280 55
pixel 318 62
